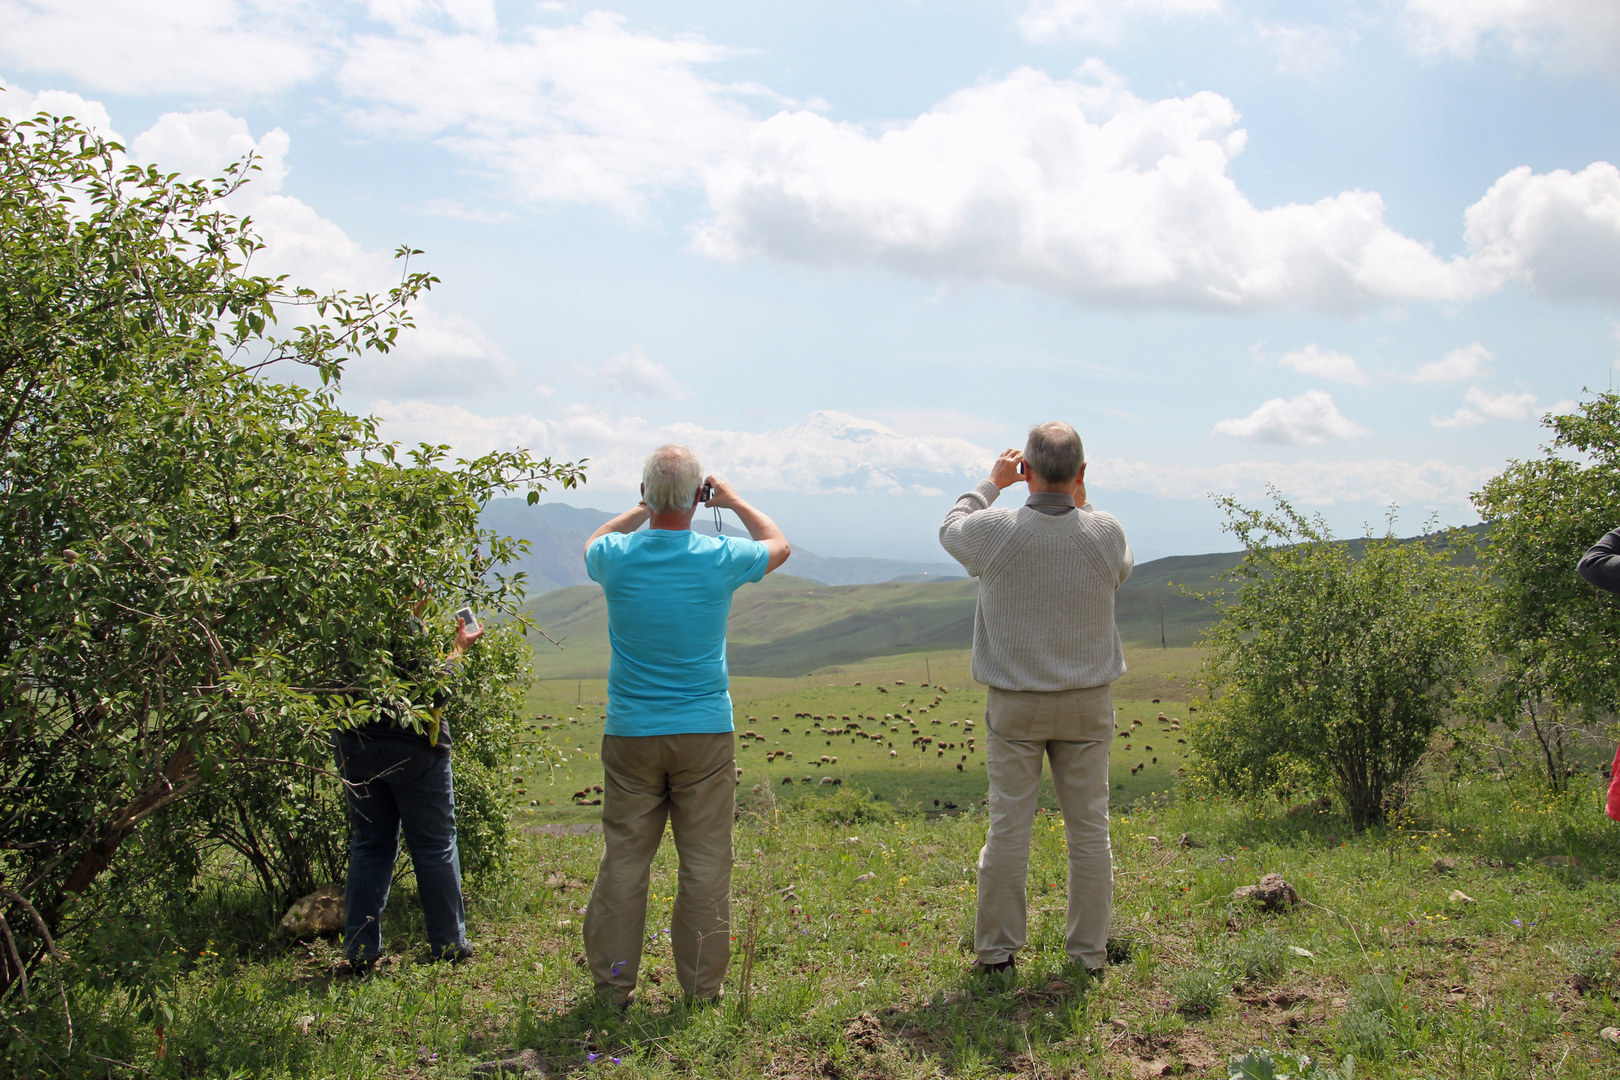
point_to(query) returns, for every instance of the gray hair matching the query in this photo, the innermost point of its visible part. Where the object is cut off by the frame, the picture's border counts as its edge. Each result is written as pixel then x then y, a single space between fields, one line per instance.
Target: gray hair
pixel 670 479
pixel 1054 452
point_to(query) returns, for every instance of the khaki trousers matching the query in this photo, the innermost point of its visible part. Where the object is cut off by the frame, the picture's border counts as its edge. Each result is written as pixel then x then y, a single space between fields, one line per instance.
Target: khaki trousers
pixel 1074 729
pixel 690 780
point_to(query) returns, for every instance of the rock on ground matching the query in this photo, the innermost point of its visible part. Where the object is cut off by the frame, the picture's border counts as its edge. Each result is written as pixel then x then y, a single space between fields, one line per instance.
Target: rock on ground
pixel 319 913
pixel 1272 893
pixel 512 1063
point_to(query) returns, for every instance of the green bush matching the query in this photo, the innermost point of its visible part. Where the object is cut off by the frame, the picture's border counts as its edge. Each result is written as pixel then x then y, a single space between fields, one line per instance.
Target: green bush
pixel 1257 956
pixel 1199 991
pixel 1591 966
pixel 848 806
pixel 1554 672
pixel 206 564
pixel 1333 664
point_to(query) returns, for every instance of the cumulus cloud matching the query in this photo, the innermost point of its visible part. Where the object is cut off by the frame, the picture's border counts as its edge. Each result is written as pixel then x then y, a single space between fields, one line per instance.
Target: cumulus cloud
pixel 824 453
pixel 1556 233
pixel 1103 21
pixel 18 104
pixel 202 48
pixel 835 453
pixel 1482 405
pixel 1074 186
pixel 635 373
pixel 587 113
pixel 1457 365
pixel 446 354
pixel 1324 364
pixel 1429 483
pixel 1571 34
pixel 1307 419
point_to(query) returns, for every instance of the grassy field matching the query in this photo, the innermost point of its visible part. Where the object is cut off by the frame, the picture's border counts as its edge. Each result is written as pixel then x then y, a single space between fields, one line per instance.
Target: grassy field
pixel 1472 937
pixel 1495 963
pixel 870 734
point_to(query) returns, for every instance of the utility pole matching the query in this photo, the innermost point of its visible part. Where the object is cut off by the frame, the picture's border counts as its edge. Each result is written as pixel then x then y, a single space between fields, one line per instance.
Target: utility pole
pixel 579 691
pixel 929 669
pixel 1162 645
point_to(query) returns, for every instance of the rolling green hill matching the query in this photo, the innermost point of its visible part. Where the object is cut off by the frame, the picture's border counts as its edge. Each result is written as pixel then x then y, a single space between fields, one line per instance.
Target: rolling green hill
pixel 788 626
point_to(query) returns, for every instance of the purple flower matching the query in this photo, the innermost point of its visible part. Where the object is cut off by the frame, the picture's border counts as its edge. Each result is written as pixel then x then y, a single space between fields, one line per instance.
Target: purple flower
pixel 1516 922
pixel 618 967
pixel 592 1057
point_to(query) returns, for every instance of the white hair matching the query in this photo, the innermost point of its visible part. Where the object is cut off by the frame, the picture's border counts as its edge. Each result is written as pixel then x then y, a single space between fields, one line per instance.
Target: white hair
pixel 1055 452
pixel 670 479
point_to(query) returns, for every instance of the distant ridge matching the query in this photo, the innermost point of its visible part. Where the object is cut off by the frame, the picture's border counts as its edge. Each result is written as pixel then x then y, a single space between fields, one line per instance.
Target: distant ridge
pixel 557 532
pixel 787 625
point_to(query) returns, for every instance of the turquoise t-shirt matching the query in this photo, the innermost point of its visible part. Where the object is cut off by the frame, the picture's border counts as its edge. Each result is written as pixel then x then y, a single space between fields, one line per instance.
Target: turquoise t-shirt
pixel 668 599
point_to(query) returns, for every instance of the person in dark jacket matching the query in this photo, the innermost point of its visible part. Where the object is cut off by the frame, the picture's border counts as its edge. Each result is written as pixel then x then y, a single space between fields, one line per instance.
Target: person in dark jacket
pixel 1601 567
pixel 398 778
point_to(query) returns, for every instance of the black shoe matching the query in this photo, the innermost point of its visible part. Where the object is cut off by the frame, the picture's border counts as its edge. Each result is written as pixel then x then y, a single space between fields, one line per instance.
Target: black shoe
pixel 1005 967
pixel 458 954
pixel 356 967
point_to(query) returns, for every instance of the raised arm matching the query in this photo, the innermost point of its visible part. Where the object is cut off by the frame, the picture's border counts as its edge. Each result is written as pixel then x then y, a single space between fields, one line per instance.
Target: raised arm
pixel 759 526
pixel 627 522
pixel 953 535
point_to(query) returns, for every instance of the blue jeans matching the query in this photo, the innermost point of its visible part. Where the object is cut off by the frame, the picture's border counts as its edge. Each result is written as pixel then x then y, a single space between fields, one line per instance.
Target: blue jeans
pixel 400 784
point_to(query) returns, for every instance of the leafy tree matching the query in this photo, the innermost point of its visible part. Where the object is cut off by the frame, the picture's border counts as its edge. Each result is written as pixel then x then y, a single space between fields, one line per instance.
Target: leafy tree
pixel 204 566
pixel 1551 635
pixel 1332 662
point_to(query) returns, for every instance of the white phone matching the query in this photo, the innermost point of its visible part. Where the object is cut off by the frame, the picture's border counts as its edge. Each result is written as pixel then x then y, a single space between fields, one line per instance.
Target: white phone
pixel 468 619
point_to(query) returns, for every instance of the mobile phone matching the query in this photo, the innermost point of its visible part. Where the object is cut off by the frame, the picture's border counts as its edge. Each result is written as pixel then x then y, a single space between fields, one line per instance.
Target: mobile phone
pixel 1020 468
pixel 468 619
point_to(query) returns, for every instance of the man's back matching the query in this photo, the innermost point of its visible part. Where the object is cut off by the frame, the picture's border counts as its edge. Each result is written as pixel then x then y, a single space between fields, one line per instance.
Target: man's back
pixel 668 597
pixel 1045 618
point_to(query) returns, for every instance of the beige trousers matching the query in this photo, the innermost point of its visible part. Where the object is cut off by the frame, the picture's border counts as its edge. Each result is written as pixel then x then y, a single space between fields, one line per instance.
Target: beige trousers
pixel 691 781
pixel 1073 728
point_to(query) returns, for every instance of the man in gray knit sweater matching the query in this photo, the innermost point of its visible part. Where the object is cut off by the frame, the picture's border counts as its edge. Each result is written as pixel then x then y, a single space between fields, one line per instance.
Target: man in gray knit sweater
pixel 1045 642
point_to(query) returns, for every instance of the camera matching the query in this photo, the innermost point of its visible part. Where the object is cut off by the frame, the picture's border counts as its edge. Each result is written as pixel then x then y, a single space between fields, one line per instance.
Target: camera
pixel 705 493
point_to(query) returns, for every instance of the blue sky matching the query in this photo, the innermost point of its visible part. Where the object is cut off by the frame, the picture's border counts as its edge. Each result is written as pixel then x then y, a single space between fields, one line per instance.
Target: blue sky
pixel 851 250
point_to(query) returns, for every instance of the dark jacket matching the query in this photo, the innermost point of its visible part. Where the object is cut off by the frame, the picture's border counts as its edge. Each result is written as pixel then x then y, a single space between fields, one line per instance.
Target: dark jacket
pixel 413 669
pixel 1601 565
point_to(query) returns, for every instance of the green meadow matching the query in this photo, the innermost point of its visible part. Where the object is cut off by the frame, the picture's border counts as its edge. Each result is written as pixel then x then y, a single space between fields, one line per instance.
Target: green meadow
pixel 862 725
pixel 1471 938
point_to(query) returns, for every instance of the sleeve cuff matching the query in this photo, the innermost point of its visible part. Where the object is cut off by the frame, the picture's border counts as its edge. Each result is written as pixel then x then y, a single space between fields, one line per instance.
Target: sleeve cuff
pixel 987 492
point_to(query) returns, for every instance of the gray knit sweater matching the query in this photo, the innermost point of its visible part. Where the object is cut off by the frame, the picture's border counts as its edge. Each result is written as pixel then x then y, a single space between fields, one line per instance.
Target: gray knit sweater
pixel 1045 619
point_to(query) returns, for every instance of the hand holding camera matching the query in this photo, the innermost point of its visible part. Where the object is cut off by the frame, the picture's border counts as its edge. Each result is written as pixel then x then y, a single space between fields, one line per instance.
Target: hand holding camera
pixel 1009 469
pixel 717 493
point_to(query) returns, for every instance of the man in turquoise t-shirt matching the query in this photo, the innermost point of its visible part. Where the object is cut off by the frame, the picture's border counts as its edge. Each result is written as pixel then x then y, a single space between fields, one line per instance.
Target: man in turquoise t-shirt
pixel 667 751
